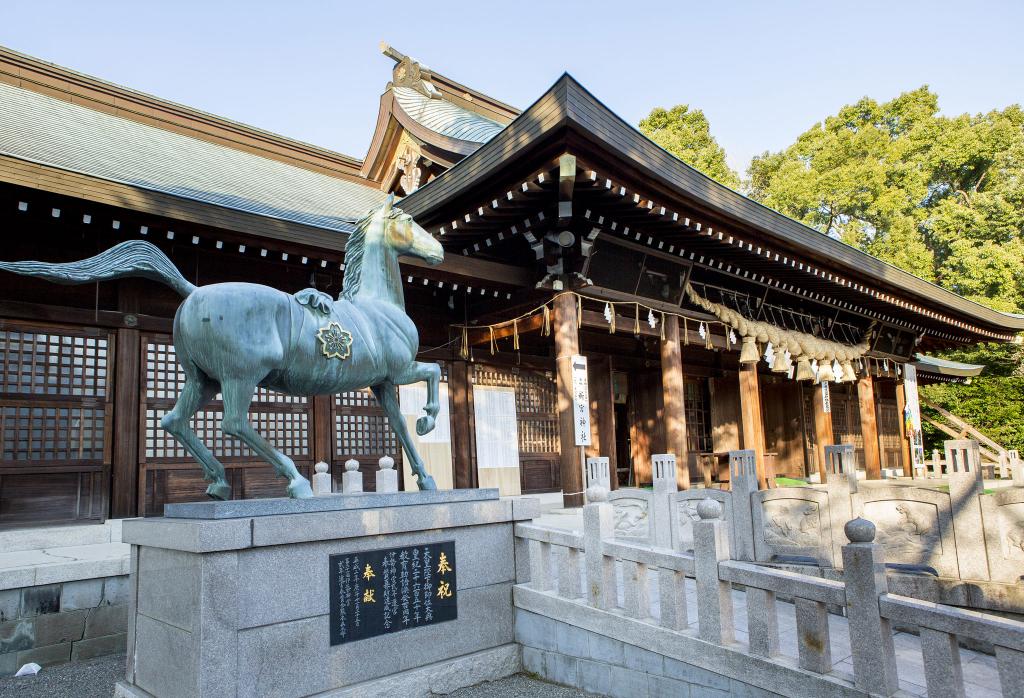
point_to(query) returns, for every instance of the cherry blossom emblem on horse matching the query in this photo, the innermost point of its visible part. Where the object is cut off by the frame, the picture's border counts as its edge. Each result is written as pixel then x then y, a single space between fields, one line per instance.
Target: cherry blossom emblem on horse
pixel 335 341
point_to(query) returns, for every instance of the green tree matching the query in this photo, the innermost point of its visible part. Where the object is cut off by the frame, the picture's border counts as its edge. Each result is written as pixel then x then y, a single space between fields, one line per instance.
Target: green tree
pixel 941 197
pixel 686 133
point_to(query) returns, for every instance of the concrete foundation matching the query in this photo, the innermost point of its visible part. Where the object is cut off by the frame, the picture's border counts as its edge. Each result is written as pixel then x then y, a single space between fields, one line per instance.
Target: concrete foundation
pixel 240 606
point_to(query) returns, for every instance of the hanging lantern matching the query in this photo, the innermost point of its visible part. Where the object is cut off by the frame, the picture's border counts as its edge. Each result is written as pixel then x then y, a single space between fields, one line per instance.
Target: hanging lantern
pixel 748 352
pixel 651 320
pixel 804 372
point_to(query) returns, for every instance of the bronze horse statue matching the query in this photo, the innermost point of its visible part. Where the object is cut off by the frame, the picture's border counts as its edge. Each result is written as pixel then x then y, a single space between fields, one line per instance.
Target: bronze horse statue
pixel 232 337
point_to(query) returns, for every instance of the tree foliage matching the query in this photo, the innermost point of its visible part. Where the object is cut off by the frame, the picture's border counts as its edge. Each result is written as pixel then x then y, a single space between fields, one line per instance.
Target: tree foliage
pixel 686 133
pixel 939 196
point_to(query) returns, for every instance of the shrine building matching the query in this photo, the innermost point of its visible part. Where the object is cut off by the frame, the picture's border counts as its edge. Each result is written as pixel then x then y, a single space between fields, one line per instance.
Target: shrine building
pixel 706 321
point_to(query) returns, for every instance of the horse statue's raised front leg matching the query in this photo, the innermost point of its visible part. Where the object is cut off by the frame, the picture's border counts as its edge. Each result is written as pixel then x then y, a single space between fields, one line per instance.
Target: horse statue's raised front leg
pixel 387 397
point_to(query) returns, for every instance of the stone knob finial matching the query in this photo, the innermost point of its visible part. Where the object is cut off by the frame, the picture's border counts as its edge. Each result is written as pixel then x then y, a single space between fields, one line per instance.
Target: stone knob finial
pixel 320 467
pixel 597 493
pixel 386 463
pixel 859 530
pixel 709 509
pixel 351 465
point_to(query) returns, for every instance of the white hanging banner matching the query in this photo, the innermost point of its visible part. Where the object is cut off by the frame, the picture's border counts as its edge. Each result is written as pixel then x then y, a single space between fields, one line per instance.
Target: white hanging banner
pixel 912 415
pixel 580 400
pixel 826 398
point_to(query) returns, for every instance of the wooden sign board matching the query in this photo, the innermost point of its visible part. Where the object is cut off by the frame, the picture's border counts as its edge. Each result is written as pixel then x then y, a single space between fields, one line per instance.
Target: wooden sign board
pixel 580 400
pixel 375 592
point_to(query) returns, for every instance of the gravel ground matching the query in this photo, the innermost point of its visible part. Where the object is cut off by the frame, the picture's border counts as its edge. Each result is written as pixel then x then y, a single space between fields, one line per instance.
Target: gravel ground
pixel 96 679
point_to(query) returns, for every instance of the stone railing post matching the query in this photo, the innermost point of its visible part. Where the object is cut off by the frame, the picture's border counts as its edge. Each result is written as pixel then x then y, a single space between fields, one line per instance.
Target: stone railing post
pixel 321 480
pixel 387 476
pixel 743 483
pixel 874 655
pixel 936 463
pixel 352 479
pixel 598 526
pixel 963 463
pixel 598 473
pixel 663 465
pixel 1016 468
pixel 714 597
pixel 841 468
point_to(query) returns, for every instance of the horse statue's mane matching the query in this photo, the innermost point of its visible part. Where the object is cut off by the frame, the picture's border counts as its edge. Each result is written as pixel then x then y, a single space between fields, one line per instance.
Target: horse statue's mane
pixel 354 253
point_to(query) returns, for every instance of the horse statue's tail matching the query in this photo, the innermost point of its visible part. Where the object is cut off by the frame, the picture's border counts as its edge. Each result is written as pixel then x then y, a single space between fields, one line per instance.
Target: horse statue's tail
pixel 131 258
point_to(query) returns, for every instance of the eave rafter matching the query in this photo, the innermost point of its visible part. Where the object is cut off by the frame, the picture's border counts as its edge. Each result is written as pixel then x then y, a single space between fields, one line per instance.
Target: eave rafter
pixel 638 216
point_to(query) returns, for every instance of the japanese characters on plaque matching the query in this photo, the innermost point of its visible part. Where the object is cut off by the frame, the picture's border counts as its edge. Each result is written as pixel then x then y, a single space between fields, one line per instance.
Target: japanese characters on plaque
pixel 375 592
pixel 580 400
pixel 826 398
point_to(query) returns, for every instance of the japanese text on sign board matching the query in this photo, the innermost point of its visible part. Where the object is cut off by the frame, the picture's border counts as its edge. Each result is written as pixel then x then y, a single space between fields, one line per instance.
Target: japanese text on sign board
pixel 580 400
pixel 383 591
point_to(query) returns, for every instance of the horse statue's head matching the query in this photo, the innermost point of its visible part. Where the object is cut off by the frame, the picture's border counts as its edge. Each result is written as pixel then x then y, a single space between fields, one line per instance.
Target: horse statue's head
pixel 400 232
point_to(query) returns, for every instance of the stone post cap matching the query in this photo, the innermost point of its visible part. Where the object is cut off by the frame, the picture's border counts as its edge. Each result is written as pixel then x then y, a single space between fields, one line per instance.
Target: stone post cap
pixel 386 463
pixel 859 530
pixel 320 467
pixel 709 509
pixel 351 465
pixel 597 493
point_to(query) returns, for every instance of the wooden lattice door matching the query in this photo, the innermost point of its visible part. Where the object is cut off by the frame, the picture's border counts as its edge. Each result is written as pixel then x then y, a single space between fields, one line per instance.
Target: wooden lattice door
pixel 169 474
pixel 56 409
pixel 889 434
pixel 536 423
pixel 362 431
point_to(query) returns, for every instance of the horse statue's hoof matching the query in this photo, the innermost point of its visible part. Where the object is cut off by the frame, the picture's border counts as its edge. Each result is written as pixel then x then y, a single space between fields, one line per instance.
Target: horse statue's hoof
pixel 424 425
pixel 299 488
pixel 219 490
pixel 426 482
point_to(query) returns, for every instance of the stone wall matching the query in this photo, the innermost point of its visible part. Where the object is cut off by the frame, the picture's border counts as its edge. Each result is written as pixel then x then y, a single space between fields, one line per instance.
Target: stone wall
pixel 56 623
pixel 573 656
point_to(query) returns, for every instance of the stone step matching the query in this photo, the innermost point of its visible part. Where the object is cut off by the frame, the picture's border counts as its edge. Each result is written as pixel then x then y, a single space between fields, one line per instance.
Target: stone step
pixel 60 536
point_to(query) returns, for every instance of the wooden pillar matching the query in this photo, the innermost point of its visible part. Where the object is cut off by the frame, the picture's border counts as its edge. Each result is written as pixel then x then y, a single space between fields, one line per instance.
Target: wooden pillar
pixel 869 427
pixel 750 416
pixel 124 486
pixel 823 434
pixel 463 474
pixel 567 343
pixel 672 391
pixel 901 406
pixel 323 431
pixel 602 414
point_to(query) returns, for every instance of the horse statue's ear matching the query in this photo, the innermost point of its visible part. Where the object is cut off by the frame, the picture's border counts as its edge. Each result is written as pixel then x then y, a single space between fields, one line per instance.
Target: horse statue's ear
pixel 389 202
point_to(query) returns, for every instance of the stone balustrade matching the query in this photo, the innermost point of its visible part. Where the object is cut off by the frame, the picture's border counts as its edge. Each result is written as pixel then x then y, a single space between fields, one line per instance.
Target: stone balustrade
pixel 626 586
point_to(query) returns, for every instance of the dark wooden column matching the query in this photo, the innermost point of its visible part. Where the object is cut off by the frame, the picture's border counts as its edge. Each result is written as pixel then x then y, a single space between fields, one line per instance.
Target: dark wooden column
pixel 672 391
pixel 823 435
pixel 750 416
pixel 901 405
pixel 869 427
pixel 124 486
pixel 602 413
pixel 462 424
pixel 323 431
pixel 567 343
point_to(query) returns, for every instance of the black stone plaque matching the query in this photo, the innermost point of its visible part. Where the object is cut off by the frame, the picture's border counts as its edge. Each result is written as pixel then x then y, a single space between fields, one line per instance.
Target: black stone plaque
pixel 375 592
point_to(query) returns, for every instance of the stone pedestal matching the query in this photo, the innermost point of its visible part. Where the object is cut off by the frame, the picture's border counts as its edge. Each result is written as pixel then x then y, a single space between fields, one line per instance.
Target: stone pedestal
pixel 233 598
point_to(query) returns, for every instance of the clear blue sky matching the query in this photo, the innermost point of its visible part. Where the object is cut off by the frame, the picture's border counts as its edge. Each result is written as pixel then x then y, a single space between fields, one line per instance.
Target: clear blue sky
pixel 762 71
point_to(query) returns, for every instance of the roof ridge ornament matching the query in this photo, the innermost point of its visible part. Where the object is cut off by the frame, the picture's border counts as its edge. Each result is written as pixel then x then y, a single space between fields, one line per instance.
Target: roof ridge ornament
pixel 409 72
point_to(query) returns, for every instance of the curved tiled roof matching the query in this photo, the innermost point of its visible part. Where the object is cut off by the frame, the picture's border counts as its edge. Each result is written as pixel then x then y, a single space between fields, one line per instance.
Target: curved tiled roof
pixel 446 118
pixel 68 136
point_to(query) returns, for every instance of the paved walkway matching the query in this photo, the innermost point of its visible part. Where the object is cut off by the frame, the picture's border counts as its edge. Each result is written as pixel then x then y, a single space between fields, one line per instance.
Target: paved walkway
pixel 96 679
